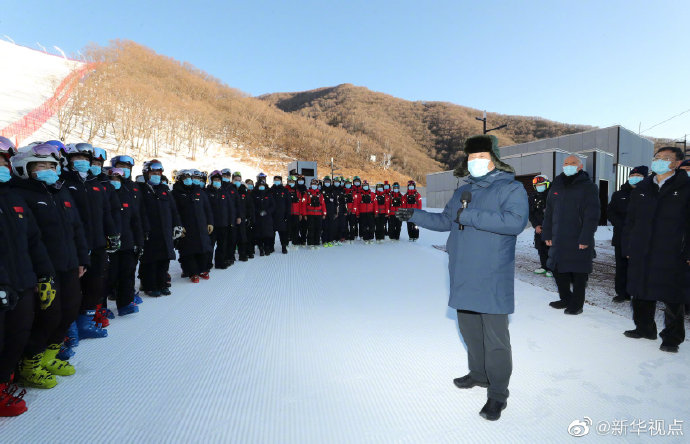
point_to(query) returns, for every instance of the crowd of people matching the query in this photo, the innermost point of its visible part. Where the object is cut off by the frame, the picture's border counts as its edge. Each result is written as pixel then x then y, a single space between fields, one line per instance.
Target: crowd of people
pixel 76 232
pixel 650 215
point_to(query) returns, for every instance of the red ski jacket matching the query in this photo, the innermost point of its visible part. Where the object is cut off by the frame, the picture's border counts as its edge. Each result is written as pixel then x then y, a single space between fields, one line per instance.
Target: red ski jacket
pixel 364 202
pixel 295 201
pixel 412 200
pixel 309 199
pixel 382 203
pixel 396 202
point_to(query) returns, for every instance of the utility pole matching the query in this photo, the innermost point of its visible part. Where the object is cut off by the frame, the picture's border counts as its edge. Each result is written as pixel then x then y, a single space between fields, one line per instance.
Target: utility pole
pixel 685 145
pixel 483 120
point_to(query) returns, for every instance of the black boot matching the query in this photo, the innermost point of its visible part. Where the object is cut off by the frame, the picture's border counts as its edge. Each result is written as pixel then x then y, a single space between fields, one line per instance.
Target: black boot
pixel 284 249
pixel 492 409
pixel 261 252
pixel 621 298
pixel 668 348
pixel 638 334
pixel 560 304
pixel 467 382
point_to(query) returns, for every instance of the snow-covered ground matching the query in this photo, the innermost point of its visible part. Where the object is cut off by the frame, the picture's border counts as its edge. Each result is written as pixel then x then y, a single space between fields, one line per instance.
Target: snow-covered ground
pixel 349 344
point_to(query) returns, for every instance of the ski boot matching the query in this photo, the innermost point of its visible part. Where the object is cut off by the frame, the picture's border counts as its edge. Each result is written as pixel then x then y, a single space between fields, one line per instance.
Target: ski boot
pixel 168 280
pixel 101 317
pixel 194 279
pixel 153 293
pixel 128 309
pixel 72 336
pixel 166 291
pixel 53 364
pixel 87 327
pixel 285 250
pixel 137 299
pixel 548 274
pixel 539 271
pixel 65 352
pixel 31 374
pixel 11 404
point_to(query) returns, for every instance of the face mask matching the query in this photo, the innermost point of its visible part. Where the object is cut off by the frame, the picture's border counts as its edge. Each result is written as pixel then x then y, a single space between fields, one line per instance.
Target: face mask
pixel 541 188
pixel 237 183
pixel 478 167
pixel 327 184
pixel 301 182
pixel 348 185
pixel 116 184
pixel 49 177
pixel 196 182
pixel 366 187
pixel 127 172
pixel 277 183
pixel 95 170
pixel 661 166
pixel 635 180
pixel 187 182
pixel 58 170
pixel 81 165
pixel 250 187
pixel 570 170
pixel 216 184
pixel 314 187
pixel 396 190
pixel 358 184
pixel 337 184
pixel 4 174
pixel 291 184
pixel 380 190
pixel 225 179
pixel 386 187
pixel 155 179
pixel 410 187
pixel 261 187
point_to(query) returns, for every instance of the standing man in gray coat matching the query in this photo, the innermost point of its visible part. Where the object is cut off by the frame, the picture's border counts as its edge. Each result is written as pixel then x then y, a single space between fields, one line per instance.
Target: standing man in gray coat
pixel 484 218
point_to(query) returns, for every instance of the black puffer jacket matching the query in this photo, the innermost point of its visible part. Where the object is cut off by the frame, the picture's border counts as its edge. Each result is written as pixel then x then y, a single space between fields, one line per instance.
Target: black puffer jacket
pixel 617 212
pixel 161 212
pixel 264 207
pixel 283 203
pixel 196 215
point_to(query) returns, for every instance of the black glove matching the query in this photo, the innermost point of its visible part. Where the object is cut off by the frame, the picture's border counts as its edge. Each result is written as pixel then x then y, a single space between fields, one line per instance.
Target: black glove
pixel 8 298
pixel 112 243
pixel 404 214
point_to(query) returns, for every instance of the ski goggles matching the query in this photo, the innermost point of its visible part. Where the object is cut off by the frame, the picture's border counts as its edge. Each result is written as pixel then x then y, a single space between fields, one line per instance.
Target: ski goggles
pixel 116 172
pixel 122 159
pixel 45 150
pixel 156 166
pixel 225 172
pixel 7 148
pixel 539 180
pixel 100 154
pixel 216 173
pixel 79 148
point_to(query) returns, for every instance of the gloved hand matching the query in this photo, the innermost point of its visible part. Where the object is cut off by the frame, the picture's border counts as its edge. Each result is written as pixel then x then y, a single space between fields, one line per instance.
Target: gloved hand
pixel 404 214
pixel 178 232
pixel 112 243
pixel 262 213
pixel 138 251
pixel 8 298
pixel 210 229
pixel 46 294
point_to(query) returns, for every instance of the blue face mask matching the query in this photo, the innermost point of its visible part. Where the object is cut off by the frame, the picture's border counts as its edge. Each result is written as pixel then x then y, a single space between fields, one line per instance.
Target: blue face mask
pixel 4 174
pixel 358 184
pixel 660 166
pixel 396 190
pixel 226 179
pixel 570 170
pixel 197 182
pixel 187 182
pixel 261 187
pixel 81 165
pixel 365 187
pixel 386 187
pixel 95 170
pixel 127 172
pixel 116 184
pixel 327 184
pixel 49 177
pixel 635 180
pixel 380 190
pixel 58 170
pixel 216 184
pixel 237 183
pixel 411 187
pixel 277 183
pixel 337 184
pixel 301 182
pixel 155 179
pixel 250 187
pixel 313 187
pixel 348 185
pixel 541 188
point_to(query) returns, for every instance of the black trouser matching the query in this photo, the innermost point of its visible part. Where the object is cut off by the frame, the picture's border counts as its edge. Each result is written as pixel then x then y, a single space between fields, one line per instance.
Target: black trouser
pixel 193 264
pixel 674 327
pixel 250 244
pixel 575 297
pixel 621 274
pixel 366 226
pixel 93 281
pixel 394 227
pixel 341 226
pixel 219 242
pixel 15 328
pixel 412 231
pixel 294 223
pixel 543 251
pixel 329 228
pixel 353 226
pixel 123 265
pixel 381 221
pixel 284 237
pixel 303 229
pixel 314 230
pixel 489 355
pixel 154 275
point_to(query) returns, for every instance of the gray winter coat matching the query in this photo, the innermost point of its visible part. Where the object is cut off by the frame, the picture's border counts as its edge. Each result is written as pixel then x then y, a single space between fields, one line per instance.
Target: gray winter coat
pixel 482 256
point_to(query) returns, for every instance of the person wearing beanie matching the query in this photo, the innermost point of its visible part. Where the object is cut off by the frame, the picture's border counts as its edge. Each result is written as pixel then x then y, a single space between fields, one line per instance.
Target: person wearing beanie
pixel 329 233
pixel 364 209
pixel 616 213
pixel 352 222
pixel 295 212
pixel 412 199
pixel 264 211
pixel 537 205
pixel 251 216
pixel 314 210
pixel 655 242
pixel 483 233
pixel 381 212
pixel 245 212
pixel 281 216
pixel 341 211
pixel 396 202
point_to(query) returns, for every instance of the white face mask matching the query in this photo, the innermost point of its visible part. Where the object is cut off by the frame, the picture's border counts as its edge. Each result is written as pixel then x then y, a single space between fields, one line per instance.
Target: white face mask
pixel 478 167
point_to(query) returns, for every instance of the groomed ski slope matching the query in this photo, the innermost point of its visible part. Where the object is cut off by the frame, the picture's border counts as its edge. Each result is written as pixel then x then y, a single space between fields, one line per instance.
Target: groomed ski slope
pixel 349 344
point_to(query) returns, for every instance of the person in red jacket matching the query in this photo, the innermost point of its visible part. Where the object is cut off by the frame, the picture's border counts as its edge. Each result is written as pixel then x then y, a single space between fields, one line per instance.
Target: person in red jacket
pixel 412 200
pixel 314 209
pixel 381 211
pixel 295 211
pixel 364 208
pixel 395 224
pixel 389 220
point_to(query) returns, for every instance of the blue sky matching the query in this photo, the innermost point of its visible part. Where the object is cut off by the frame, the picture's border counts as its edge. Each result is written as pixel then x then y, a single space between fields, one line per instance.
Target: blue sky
pixel 590 62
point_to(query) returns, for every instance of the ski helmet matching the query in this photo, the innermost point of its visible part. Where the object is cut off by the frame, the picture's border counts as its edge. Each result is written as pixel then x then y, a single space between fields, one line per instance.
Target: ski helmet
pixel 541 179
pixel 34 153
pixel 7 148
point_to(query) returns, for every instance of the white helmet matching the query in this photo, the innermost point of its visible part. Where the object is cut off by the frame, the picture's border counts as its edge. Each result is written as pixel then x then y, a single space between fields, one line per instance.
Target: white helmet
pixel 33 153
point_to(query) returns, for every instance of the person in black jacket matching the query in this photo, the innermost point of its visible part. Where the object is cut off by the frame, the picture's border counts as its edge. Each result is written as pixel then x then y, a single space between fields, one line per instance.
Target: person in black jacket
pixel 616 212
pixel 197 219
pixel 62 232
pixel 240 239
pixel 570 221
pixel 23 264
pixel 164 223
pixel 655 241
pixel 301 188
pixel 264 210
pixel 341 211
pixel 224 215
pixel 233 200
pixel 329 233
pixel 537 205
pixel 281 214
pixel 123 263
pixel 250 245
